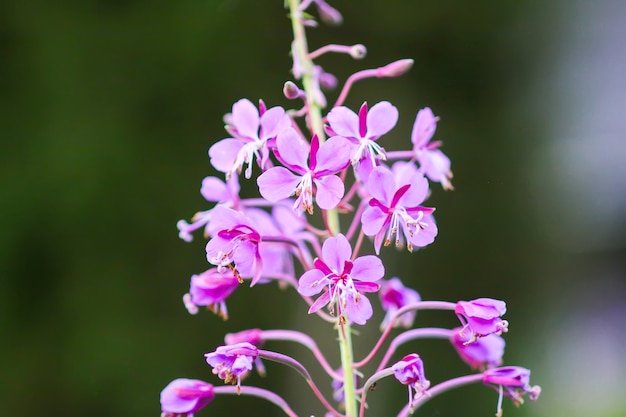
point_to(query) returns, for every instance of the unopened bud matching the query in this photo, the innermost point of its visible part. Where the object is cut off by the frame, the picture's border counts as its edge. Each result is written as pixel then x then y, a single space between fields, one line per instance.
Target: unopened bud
pixel 395 69
pixel 329 14
pixel 358 51
pixel 291 91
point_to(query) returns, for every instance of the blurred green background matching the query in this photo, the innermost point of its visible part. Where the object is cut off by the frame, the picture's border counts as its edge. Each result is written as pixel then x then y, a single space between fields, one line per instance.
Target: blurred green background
pixel 108 108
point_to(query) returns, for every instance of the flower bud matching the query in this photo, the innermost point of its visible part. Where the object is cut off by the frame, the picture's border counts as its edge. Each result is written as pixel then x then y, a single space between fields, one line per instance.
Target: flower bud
pixel 358 51
pixel 395 69
pixel 185 396
pixel 291 91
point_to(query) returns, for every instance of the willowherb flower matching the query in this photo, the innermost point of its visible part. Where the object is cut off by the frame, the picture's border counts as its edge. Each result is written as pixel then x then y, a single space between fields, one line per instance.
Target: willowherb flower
pixel 211 289
pixel 315 165
pixel 393 296
pixel 185 396
pixel 394 212
pixel 513 382
pixel 344 280
pixel 364 130
pixel 251 132
pixel 232 362
pixel 481 317
pixel 235 241
pixel 483 353
pixel 410 371
pixel 433 163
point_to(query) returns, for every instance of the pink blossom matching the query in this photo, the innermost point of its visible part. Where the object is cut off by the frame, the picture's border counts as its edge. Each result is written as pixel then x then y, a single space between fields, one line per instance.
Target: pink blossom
pixel 344 280
pixel 433 163
pixel 410 371
pixel 235 241
pixel 251 132
pixel 394 212
pixel 393 296
pixel 513 382
pixel 364 130
pixel 185 396
pixel 485 352
pixel 211 289
pixel 306 168
pixel 232 362
pixel 481 317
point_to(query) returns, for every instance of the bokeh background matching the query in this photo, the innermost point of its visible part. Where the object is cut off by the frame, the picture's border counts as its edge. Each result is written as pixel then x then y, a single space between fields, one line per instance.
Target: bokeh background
pixel 108 107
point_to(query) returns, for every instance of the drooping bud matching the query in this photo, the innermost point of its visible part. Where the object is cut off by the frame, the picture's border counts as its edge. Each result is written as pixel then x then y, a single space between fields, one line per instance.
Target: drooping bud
pixel 395 69
pixel 185 396
pixel 291 91
pixel 358 51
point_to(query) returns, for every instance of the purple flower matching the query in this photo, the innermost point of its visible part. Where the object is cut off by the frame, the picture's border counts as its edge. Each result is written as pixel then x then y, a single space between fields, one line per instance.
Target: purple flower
pixel 250 132
pixel 235 240
pixel 513 382
pixel 433 163
pixel 481 317
pixel 393 296
pixel 345 280
pixel 185 396
pixel 279 183
pixel 213 190
pixel 363 130
pixel 394 211
pixel 232 362
pixel 410 371
pixel 483 353
pixel 252 336
pixel 211 288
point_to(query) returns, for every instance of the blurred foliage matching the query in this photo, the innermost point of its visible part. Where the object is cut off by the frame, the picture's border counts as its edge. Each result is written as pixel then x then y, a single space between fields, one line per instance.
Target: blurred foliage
pixel 106 114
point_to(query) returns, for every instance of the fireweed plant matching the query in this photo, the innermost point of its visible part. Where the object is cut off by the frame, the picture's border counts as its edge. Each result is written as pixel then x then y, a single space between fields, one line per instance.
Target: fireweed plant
pixel 314 158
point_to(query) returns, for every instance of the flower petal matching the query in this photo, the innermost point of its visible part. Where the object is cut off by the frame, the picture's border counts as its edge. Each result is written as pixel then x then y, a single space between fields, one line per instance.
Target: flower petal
pixel 368 268
pixel 246 119
pixel 372 220
pixel 321 301
pixel 424 127
pixel 335 251
pixel 273 121
pixel 330 189
pixel 214 189
pixel 381 185
pixel 358 309
pixel 334 155
pixel 293 151
pixel 344 122
pixel 381 119
pixel 312 282
pixel 277 183
pixel 224 153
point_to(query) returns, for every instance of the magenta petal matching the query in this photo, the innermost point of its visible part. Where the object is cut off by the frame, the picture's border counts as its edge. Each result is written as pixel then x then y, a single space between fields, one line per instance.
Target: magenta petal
pixel 424 127
pixel 277 183
pixel 322 301
pixel 312 282
pixel 214 189
pixel 273 121
pixel 381 185
pixel 358 309
pixel 335 251
pixel 334 155
pixel 344 122
pixel 293 150
pixel 368 268
pixel 426 236
pixel 365 286
pixel 330 189
pixel 372 220
pixel 417 193
pixel 381 119
pixel 224 153
pixel 246 119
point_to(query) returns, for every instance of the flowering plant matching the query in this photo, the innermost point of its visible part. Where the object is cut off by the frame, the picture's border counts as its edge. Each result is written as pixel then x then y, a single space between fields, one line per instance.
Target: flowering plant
pixel 305 158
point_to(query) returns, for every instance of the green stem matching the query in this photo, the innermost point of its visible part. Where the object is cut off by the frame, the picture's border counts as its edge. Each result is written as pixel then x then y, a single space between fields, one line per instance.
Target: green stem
pixel 314 111
pixel 316 125
pixel 347 361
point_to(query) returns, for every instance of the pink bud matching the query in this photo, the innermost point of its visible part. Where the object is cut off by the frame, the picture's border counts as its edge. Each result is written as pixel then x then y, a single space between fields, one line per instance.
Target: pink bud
pixel 395 69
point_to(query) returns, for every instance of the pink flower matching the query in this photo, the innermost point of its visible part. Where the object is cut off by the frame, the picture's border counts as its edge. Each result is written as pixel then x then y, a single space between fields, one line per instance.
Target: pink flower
pixel 410 371
pixel 185 396
pixel 232 362
pixel 394 211
pixel 344 280
pixel 483 353
pixel 513 382
pixel 235 241
pixel 251 132
pixel 393 296
pixel 433 163
pixel 211 288
pixel 481 317
pixel 279 183
pixel 365 129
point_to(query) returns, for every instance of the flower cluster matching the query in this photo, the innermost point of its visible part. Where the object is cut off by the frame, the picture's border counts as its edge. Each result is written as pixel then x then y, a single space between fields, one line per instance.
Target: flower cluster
pixel 307 159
